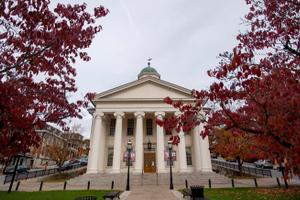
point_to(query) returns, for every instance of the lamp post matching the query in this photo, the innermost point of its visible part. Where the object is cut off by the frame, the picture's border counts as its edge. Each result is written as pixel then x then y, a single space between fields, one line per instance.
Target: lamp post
pixel 14 173
pixel 171 162
pixel 129 146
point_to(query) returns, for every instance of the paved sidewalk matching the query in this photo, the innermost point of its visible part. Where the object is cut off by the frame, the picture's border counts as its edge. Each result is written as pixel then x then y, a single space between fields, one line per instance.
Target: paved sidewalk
pixel 151 193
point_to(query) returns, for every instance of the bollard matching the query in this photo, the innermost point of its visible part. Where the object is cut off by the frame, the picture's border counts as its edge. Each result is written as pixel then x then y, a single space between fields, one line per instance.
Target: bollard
pixel 88 186
pixel 255 182
pixel 285 183
pixel 232 182
pixel 41 186
pixel 18 184
pixel 112 185
pixel 278 182
pixel 186 184
pixel 65 185
pixel 209 183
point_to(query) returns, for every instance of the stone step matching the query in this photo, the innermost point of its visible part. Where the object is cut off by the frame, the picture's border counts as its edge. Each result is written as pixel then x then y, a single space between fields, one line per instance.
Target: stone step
pixel 105 180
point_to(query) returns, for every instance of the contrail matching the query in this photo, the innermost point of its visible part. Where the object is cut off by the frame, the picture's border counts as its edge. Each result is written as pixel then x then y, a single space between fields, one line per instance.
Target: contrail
pixel 130 19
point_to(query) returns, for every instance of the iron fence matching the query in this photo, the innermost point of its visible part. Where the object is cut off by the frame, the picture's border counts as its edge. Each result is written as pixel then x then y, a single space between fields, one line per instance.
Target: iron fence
pixel 245 169
pixel 34 174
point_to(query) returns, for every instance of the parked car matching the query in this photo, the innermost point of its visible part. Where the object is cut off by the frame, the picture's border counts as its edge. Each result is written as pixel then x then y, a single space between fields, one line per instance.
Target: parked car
pixel 20 169
pixel 263 164
pixel 66 166
pixel 83 161
pixel 214 155
pixel 69 164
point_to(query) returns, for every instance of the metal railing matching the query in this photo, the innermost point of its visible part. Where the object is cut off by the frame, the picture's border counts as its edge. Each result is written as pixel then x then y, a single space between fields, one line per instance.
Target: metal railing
pixel 34 174
pixel 245 169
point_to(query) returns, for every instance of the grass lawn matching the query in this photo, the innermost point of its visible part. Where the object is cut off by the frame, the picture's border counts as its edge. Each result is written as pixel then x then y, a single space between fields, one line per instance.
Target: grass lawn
pixel 292 193
pixel 51 195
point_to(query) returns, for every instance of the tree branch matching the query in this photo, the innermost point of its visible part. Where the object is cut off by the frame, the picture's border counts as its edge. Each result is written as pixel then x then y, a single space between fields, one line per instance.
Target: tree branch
pixel 250 130
pixel 291 50
pixel 27 57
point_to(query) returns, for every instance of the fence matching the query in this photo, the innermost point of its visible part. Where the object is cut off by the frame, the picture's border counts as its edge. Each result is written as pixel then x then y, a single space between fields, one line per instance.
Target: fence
pixel 245 169
pixel 34 174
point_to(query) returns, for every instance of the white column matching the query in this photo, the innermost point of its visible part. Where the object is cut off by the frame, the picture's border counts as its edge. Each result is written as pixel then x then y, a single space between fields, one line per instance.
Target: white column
pixel 139 142
pixel 102 145
pixel 196 148
pixel 117 142
pixel 160 144
pixel 181 150
pixel 95 139
pixel 205 153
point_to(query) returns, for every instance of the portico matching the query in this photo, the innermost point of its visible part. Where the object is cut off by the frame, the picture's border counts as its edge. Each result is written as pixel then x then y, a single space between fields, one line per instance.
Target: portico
pixel 129 112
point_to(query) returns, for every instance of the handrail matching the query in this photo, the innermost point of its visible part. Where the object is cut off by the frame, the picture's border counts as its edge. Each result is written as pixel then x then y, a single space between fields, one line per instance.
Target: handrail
pixel 34 174
pixel 245 169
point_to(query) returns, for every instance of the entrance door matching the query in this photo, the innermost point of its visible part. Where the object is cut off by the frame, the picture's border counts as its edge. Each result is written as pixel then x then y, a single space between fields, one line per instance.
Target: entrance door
pixel 149 163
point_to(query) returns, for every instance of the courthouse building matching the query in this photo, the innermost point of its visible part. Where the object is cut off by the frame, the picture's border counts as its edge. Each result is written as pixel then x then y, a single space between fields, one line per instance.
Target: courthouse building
pixel 128 112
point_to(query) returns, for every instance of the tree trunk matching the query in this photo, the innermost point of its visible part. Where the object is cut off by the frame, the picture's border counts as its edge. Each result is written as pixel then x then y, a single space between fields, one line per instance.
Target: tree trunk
pixel 240 165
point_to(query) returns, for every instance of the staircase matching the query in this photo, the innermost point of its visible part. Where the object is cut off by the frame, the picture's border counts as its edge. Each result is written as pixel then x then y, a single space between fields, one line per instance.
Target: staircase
pixel 104 181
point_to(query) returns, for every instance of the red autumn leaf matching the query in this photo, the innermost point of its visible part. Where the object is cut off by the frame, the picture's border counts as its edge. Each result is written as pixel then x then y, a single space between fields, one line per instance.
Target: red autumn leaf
pixel 39 46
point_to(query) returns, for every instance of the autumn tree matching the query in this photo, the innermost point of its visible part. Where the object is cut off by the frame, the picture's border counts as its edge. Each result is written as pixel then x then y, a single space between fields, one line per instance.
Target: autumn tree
pixel 234 145
pixel 257 89
pixel 59 154
pixel 38 50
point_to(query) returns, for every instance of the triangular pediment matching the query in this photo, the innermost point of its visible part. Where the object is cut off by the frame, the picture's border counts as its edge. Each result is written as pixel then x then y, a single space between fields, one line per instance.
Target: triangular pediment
pixel 147 88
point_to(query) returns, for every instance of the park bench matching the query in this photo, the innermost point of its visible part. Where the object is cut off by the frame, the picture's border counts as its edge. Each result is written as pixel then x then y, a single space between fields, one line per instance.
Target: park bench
pixel 112 195
pixel 186 193
pixel 86 198
pixel 197 192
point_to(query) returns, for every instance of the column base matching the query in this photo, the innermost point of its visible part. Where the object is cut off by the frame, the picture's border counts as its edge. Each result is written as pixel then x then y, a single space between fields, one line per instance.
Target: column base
pixel 115 171
pixel 92 171
pixel 206 170
pixel 198 170
pixel 184 170
pixel 100 171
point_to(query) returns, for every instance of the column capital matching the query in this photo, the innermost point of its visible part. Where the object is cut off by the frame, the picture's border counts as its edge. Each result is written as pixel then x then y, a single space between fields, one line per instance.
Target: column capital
pixel 139 114
pixel 159 114
pixel 119 114
pixel 98 115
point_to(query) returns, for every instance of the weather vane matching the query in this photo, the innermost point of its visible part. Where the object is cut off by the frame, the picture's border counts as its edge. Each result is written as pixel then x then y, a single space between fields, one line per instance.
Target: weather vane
pixel 149 59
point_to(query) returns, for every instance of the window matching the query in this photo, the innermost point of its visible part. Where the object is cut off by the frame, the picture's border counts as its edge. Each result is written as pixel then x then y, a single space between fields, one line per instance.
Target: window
pixel 149 126
pixel 110 156
pixel 112 127
pixel 188 155
pixel 130 126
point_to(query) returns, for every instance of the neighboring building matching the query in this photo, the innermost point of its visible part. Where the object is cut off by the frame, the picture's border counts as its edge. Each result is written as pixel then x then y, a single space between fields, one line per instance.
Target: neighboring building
pixel 75 143
pixel 49 136
pixel 86 146
pixel 128 112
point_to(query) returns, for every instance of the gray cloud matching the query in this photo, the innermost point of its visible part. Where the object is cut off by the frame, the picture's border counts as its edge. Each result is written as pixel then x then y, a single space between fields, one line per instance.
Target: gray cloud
pixel 183 38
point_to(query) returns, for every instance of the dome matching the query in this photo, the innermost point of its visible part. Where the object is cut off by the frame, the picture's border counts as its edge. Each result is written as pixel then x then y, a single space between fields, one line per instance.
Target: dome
pixel 149 71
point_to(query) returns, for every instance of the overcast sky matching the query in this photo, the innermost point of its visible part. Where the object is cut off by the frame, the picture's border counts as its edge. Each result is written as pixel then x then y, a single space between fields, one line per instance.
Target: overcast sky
pixel 183 37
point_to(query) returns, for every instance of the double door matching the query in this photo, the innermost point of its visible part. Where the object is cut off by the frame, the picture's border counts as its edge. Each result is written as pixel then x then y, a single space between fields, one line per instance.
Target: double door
pixel 149 163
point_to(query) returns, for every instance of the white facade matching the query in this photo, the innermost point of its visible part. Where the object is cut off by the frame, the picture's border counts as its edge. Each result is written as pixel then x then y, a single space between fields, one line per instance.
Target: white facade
pixel 128 112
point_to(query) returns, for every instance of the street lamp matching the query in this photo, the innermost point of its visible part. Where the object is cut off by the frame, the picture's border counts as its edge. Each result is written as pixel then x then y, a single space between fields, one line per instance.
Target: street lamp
pixel 129 146
pixel 91 110
pixel 171 162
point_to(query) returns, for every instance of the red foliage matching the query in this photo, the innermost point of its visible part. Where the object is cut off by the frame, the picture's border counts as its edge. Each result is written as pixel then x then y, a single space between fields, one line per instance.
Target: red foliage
pixel 257 89
pixel 38 47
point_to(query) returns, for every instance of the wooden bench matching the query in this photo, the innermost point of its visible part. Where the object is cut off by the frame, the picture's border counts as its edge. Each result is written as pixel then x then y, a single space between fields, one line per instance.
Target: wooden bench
pixel 86 198
pixel 112 195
